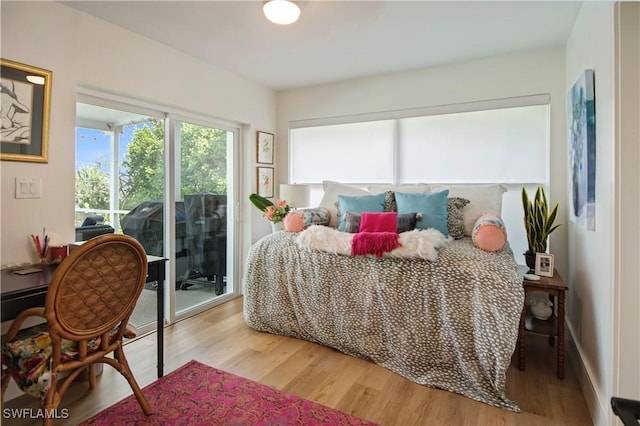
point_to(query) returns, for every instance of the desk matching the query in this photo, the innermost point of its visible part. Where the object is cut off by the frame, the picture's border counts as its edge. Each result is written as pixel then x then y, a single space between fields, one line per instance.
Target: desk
pixel 20 292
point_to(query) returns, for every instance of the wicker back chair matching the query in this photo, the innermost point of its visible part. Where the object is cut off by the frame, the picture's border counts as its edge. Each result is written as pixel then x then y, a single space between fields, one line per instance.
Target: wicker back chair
pixel 87 307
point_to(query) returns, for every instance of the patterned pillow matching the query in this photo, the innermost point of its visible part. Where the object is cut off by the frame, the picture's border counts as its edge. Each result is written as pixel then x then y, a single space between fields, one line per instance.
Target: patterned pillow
pixel 455 217
pixel 390 202
pixel 406 222
pixel 316 216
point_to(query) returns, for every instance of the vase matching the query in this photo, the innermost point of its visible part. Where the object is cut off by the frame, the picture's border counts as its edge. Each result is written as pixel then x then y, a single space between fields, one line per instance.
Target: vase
pixel 276 226
pixel 541 309
pixel 530 259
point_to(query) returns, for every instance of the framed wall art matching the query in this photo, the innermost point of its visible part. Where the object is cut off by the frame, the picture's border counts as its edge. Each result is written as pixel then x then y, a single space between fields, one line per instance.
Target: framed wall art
pixel 544 265
pixel 265 147
pixel 582 150
pixel 265 182
pixel 26 103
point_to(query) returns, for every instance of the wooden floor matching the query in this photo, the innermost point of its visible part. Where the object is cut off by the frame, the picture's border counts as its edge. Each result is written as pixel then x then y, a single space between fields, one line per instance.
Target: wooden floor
pixel 220 338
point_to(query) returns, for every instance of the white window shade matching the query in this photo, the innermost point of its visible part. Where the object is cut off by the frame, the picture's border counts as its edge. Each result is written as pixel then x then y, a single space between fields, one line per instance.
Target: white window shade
pixel 504 145
pixel 505 142
pixel 357 152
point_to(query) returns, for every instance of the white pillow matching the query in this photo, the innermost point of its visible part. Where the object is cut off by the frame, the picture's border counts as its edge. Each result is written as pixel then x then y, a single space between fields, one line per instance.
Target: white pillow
pixel 482 199
pixel 409 188
pixel 330 197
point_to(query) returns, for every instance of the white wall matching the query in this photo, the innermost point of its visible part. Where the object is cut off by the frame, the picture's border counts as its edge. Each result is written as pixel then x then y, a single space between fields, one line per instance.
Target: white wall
pixel 527 73
pixel 626 363
pixel 83 51
pixel 591 253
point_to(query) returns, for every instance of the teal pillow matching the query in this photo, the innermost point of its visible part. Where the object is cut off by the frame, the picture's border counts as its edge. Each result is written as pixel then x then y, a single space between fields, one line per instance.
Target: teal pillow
pixel 433 207
pixel 359 204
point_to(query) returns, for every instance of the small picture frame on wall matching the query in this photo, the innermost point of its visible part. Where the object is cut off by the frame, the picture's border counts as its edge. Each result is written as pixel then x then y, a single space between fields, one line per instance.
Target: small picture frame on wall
pixel 26 101
pixel 265 147
pixel 544 264
pixel 265 182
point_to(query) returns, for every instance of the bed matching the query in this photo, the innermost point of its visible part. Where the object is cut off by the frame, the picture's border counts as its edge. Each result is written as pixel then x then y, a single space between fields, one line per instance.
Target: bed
pixel 451 323
pixel 440 309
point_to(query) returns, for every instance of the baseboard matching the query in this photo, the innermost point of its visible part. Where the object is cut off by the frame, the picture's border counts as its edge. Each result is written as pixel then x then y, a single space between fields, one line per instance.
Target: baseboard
pixel 598 404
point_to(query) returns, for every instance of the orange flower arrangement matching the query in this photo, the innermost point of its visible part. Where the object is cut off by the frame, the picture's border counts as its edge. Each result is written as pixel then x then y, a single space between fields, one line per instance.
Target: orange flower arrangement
pixel 277 212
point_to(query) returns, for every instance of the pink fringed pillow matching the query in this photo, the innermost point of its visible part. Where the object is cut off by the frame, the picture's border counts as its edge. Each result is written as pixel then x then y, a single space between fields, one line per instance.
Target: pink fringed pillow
pixel 379 222
pixel 489 233
pixel 293 222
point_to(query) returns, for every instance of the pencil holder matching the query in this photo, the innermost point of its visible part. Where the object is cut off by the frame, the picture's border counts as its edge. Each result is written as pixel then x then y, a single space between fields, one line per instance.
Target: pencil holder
pixel 57 253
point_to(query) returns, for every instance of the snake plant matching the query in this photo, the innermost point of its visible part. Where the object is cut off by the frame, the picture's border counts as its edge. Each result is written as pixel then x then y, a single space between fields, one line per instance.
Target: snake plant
pixel 538 221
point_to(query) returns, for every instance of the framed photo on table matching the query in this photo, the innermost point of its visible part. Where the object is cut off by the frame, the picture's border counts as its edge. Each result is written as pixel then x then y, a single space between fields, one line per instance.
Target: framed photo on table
pixel 544 265
pixel 265 182
pixel 26 101
pixel 265 147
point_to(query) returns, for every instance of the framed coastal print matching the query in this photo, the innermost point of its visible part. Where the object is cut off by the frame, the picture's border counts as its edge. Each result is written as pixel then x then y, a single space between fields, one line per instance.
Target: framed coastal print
pixel 265 182
pixel 544 265
pixel 26 101
pixel 265 148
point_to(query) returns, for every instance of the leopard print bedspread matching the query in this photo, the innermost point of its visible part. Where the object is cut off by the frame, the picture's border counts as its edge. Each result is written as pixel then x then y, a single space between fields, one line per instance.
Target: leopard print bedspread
pixel 450 324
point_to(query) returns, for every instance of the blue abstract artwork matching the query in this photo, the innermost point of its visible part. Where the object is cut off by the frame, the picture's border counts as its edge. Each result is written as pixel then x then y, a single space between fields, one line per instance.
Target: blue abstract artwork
pixel 582 150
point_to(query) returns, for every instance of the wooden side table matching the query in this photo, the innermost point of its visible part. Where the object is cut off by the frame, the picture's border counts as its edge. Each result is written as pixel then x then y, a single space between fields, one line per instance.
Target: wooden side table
pixel 555 287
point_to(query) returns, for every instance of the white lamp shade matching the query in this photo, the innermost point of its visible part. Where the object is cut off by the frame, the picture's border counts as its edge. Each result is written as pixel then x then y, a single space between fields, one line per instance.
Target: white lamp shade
pixel 296 196
pixel 281 12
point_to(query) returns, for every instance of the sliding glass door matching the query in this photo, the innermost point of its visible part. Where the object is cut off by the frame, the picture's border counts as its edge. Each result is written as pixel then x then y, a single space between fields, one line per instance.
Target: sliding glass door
pixel 129 161
pixel 120 182
pixel 201 220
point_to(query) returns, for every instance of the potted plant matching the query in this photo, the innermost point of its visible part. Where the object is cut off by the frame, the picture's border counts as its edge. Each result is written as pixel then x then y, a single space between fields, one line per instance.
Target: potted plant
pixel 538 222
pixel 274 212
pixel 260 202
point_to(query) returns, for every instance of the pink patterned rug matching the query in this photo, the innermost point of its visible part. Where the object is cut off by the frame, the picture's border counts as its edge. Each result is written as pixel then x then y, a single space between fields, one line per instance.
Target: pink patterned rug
pixel 196 394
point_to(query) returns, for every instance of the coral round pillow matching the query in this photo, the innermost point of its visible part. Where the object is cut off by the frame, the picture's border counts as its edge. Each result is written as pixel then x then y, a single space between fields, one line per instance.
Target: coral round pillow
pixel 293 222
pixel 489 233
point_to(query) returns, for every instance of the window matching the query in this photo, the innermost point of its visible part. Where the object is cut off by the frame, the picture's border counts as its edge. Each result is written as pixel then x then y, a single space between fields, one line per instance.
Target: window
pixel 108 143
pixel 505 144
pixel 501 145
pixel 337 150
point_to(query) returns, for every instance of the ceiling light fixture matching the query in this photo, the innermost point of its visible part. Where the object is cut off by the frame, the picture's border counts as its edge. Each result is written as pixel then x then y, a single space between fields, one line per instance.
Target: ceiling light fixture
pixel 281 12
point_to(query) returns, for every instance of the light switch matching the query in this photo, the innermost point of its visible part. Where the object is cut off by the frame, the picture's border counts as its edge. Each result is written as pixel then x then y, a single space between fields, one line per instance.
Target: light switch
pixel 34 187
pixel 24 186
pixel 28 187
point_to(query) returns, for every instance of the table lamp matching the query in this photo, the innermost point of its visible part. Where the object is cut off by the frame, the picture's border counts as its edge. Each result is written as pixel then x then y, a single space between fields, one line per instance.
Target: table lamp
pixel 297 196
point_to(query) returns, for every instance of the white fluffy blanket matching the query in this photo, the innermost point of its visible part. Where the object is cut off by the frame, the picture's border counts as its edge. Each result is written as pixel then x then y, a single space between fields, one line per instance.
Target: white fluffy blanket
pixel 419 243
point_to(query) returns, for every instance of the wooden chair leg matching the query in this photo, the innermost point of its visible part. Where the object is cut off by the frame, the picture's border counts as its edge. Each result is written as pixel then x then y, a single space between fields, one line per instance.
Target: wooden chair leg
pixel 6 378
pixel 126 372
pixel 91 372
pixel 51 400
